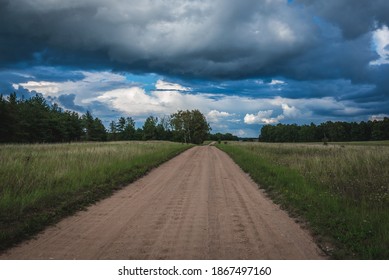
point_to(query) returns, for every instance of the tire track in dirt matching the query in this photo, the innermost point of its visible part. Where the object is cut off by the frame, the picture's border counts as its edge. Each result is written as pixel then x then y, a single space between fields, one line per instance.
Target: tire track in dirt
pixel 199 205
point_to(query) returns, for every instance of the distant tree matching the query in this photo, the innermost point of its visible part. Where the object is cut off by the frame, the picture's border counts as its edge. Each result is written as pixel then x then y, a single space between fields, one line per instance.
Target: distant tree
pixel 138 134
pixel 385 128
pixel 223 137
pixel 73 126
pixel 201 127
pixel 331 131
pixel 377 130
pixel 112 131
pixel 99 132
pixel 88 127
pixel 150 128
pixel 8 121
pixel 307 133
pixel 120 127
pixel 163 129
pixel 129 129
pixel 190 126
pixel 35 121
pixel 93 128
pixel 179 129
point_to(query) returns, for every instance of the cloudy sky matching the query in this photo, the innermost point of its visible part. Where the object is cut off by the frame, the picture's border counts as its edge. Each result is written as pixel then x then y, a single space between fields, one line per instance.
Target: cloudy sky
pixel 242 63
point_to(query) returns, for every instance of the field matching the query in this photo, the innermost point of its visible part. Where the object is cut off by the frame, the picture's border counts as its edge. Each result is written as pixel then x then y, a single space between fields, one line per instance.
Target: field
pixel 42 183
pixel 341 190
pixel 199 205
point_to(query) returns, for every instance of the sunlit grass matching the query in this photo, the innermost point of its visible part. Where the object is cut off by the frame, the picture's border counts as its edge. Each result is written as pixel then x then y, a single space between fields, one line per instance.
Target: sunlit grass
pixel 341 190
pixel 40 183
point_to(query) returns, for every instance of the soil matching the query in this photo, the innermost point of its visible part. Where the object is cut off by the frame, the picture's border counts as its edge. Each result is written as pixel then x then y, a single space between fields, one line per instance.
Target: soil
pixel 199 205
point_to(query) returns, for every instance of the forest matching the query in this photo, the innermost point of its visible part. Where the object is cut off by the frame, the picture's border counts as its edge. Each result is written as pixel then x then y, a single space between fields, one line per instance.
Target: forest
pixel 327 132
pixel 33 120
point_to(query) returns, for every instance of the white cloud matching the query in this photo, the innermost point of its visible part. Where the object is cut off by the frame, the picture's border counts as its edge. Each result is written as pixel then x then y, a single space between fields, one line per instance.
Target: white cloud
pixel 46 88
pixel 214 116
pixel 132 100
pixel 379 117
pixel 240 132
pixel 252 119
pixel 262 117
pixel 215 113
pixel 381 41
pixel 234 120
pixel 265 117
pixel 290 112
pixel 162 85
pixel 92 84
pixel 136 101
pixel 102 77
pixel 277 82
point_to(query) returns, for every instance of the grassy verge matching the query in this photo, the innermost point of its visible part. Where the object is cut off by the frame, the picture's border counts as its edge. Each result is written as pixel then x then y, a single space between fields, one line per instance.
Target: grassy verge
pixel 342 192
pixel 42 183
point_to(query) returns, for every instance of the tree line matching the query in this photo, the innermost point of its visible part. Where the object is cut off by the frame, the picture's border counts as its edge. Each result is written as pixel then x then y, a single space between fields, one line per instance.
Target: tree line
pixel 328 131
pixel 33 120
pixel 223 137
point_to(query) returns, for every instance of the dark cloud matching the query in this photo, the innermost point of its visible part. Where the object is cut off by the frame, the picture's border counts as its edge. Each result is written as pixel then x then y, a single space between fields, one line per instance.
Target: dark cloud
pixel 355 18
pixel 8 85
pixel 15 49
pixel 67 101
pixel 196 38
pixel 104 112
pixel 334 59
pixel 206 39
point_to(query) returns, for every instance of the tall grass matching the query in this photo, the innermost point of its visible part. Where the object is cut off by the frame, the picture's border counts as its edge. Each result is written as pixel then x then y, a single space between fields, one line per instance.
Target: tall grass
pixel 41 183
pixel 341 191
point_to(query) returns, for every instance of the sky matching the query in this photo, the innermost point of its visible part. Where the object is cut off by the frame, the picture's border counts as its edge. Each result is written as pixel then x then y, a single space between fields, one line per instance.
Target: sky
pixel 243 64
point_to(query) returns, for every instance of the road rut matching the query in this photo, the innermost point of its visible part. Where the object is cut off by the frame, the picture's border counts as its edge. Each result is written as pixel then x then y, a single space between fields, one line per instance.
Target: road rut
pixel 199 205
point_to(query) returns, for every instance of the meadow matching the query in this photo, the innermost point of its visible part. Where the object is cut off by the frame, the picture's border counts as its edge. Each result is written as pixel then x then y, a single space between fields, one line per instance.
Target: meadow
pixel 40 183
pixel 339 191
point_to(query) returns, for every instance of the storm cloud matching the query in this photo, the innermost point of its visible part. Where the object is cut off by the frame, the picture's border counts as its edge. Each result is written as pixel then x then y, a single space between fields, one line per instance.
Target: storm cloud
pixel 354 18
pixel 97 55
pixel 222 39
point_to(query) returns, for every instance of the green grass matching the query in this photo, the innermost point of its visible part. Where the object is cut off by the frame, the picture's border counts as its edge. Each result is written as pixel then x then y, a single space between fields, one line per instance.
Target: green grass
pixel 42 183
pixel 363 143
pixel 341 191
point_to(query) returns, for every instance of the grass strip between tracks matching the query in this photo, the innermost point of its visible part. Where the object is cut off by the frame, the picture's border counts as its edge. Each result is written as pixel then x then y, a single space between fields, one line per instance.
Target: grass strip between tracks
pixel 42 183
pixel 347 224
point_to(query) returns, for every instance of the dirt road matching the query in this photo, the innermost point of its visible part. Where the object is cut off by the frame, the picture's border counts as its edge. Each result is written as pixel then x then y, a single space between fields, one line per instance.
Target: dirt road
pixel 199 205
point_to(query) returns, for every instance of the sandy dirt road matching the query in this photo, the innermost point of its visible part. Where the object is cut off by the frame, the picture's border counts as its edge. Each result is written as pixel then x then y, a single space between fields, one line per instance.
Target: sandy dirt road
pixel 199 205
